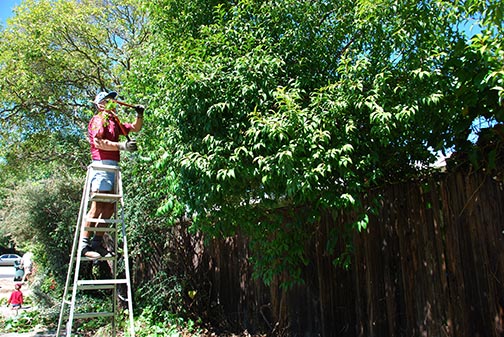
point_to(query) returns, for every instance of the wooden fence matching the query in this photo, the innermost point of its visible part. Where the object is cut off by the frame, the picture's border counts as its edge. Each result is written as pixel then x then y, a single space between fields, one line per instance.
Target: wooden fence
pixel 431 263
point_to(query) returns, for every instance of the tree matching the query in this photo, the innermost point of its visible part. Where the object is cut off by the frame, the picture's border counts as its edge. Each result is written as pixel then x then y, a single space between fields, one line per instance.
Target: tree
pixel 280 111
pixel 55 56
pixel 42 215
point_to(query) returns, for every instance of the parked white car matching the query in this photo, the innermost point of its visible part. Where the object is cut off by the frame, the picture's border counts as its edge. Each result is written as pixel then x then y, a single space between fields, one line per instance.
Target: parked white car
pixel 9 259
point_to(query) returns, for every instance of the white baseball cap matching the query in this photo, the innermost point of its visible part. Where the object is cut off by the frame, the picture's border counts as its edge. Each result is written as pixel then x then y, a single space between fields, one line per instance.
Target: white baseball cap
pixel 104 95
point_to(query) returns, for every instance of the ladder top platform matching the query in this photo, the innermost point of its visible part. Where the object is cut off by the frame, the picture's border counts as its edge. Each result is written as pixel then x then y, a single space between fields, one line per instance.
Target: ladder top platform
pixel 105 197
pixel 101 167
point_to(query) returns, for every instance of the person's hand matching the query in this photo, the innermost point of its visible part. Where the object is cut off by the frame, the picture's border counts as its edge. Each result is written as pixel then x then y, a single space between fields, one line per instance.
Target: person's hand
pixel 99 143
pixel 139 110
pixel 129 146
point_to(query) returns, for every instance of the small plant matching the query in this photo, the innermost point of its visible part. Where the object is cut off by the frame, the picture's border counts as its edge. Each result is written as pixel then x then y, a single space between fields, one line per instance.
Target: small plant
pixel 153 323
pixel 25 321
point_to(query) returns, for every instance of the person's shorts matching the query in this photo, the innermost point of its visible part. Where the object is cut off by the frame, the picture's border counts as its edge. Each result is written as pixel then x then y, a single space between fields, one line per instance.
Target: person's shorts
pixel 103 181
pixel 16 306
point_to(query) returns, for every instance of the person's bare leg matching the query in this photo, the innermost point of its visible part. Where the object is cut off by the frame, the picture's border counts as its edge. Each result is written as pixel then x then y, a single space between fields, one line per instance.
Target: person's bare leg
pixel 104 210
pixel 97 211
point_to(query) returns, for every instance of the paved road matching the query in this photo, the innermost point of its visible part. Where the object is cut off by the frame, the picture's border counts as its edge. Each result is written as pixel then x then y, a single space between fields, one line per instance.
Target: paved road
pixel 7 272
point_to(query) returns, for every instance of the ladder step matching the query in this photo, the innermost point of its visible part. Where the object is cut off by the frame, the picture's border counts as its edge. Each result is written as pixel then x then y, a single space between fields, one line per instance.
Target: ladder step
pixel 96 287
pixel 105 221
pixel 105 197
pixel 98 284
pixel 101 282
pixel 87 259
pixel 101 167
pixel 100 229
pixel 93 315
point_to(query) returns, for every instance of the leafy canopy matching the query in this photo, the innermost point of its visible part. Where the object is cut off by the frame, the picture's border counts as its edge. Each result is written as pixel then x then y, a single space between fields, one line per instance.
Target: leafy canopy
pixel 55 55
pixel 277 112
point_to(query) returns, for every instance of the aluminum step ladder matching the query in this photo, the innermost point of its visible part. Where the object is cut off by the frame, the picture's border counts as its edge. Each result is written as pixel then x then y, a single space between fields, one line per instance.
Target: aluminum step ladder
pixel 74 285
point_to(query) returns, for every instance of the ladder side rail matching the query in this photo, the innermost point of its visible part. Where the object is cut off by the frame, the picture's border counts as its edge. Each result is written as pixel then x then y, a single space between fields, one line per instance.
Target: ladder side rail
pixel 80 230
pixel 117 190
pixel 75 246
pixel 128 277
pixel 126 268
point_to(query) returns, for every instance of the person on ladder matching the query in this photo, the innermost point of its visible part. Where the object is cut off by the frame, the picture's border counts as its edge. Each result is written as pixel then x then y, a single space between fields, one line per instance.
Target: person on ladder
pixel 103 133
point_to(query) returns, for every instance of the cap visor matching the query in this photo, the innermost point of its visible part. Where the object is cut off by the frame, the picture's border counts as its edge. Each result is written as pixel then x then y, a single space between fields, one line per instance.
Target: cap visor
pixel 110 95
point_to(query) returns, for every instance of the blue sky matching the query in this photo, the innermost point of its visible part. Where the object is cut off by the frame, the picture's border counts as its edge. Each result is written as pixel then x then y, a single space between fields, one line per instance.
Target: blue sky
pixel 6 7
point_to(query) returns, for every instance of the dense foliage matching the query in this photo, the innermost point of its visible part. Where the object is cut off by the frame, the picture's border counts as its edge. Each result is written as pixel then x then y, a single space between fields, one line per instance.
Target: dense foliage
pixel 41 217
pixel 55 56
pixel 281 111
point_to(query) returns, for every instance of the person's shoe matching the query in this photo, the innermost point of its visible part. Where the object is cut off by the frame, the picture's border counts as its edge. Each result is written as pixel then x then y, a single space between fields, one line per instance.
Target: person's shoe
pixel 90 253
pixel 97 247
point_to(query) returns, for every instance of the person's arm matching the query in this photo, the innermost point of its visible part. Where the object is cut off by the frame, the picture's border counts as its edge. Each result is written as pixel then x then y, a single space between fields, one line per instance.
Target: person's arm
pixel 137 124
pixel 106 145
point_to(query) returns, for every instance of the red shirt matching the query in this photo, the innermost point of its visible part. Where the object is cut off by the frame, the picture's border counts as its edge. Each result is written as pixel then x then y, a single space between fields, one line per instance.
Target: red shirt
pixel 16 297
pixel 104 126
